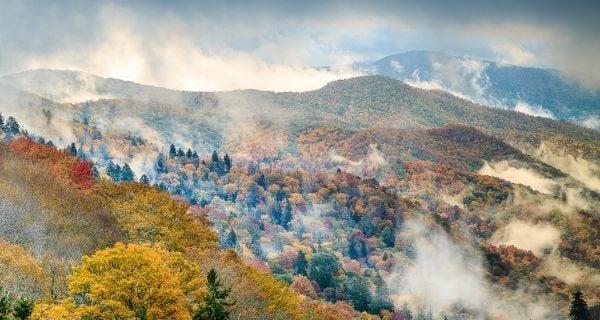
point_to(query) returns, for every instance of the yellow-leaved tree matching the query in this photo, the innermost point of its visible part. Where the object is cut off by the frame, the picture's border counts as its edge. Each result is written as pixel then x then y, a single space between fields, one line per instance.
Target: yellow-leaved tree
pixel 21 273
pixel 148 215
pixel 131 282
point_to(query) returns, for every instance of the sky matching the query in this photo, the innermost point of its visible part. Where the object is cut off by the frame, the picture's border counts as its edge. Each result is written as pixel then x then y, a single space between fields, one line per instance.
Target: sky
pixel 274 45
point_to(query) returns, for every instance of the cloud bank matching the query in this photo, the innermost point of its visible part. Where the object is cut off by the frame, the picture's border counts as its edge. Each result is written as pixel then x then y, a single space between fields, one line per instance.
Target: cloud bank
pixel 213 45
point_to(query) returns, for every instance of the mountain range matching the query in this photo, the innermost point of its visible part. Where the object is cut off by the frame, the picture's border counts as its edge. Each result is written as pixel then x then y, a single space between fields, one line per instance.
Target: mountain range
pixel 535 91
pixel 368 197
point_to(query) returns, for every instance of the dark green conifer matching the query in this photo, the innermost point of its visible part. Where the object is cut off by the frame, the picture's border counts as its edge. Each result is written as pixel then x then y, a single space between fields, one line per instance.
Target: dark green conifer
pixel 579 308
pixel 216 303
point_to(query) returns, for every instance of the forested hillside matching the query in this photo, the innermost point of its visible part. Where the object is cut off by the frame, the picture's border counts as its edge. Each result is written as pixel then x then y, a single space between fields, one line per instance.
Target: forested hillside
pixel 318 236
pixel 77 245
pixel 367 198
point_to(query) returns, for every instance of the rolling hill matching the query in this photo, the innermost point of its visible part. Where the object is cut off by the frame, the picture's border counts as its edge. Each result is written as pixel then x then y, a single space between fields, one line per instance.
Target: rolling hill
pixel 339 199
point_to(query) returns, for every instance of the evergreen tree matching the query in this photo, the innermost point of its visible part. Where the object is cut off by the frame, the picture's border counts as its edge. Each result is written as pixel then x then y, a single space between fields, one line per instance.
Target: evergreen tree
pixel 231 239
pixel 180 153
pixel 144 179
pixel 215 164
pixel 227 163
pixel 286 218
pixel 216 304
pixel 300 264
pixel 114 171
pixel 5 305
pixel 357 291
pixel 262 181
pixel 196 159
pixel 172 151
pixel 189 153
pixel 126 174
pixel 276 213
pixel 23 309
pixel 388 237
pixel 364 252
pixel 73 149
pixel 1 121
pixel 381 298
pixel 215 157
pixel 595 311
pixel 579 308
pixel 255 246
pixel 280 195
pixel 11 126
pixel 160 164
pixel 110 169
pixel 323 268
pixel 352 251
pixel 252 195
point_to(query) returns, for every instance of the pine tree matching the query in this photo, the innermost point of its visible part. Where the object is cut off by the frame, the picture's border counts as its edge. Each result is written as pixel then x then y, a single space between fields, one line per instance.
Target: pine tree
pixel 231 239
pixel 216 304
pixel 381 298
pixel 11 126
pixel 114 172
pixel 1 121
pixel 180 153
pixel 276 213
pixel 286 218
pixel 189 153
pixel 73 149
pixel 172 151
pixel 227 163
pixel 215 164
pixel 352 252
pixel 126 174
pixel 252 195
pixel 388 237
pixel 5 305
pixel 579 308
pixel 262 181
pixel 364 252
pixel 215 157
pixel 23 309
pixel 144 179
pixel 160 164
pixel 196 159
pixel 300 264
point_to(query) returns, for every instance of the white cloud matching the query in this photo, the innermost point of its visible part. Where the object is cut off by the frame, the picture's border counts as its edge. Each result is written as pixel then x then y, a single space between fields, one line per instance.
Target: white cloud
pixel 171 57
pixel 442 275
pixel 536 111
pixel 586 172
pixel 592 122
pixel 524 176
pixel 510 53
pixel 527 236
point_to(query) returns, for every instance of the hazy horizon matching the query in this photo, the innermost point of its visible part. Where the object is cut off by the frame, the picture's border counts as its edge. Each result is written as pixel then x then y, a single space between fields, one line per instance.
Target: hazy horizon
pixel 276 46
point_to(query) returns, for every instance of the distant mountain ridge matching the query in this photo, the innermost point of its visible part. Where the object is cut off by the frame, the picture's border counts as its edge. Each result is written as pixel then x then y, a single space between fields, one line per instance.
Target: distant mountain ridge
pixel 262 123
pixel 536 91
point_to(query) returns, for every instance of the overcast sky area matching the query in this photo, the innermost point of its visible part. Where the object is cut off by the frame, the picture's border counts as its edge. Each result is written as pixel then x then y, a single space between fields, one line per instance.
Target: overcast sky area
pixel 222 45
